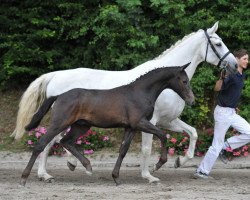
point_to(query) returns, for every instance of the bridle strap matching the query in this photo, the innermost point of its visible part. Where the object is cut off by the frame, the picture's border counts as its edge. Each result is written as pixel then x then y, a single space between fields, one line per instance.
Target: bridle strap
pixel 214 50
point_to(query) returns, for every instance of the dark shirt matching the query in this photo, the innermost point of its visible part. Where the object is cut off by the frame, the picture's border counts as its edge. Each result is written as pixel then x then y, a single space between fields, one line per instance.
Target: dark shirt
pixel 229 95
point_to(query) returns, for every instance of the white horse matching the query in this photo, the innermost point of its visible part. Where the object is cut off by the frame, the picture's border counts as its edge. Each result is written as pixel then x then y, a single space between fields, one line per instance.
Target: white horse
pixel 195 48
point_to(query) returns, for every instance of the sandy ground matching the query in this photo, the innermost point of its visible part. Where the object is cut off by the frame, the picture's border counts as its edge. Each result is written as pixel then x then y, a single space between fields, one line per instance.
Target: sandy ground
pixel 230 181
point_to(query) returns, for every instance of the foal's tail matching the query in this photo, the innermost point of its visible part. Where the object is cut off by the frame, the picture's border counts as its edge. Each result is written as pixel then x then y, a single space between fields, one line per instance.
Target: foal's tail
pixel 30 102
pixel 37 118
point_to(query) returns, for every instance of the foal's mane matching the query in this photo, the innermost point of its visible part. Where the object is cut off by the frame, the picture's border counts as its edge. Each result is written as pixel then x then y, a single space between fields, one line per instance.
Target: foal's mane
pixel 176 44
pixel 152 72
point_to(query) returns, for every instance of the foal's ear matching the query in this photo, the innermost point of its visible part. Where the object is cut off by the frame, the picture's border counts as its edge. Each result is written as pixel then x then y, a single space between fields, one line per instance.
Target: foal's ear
pixel 213 29
pixel 183 67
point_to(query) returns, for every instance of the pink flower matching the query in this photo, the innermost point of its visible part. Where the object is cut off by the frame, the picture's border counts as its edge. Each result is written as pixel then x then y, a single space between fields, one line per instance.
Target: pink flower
pixel 237 153
pixel 79 142
pixel 245 153
pixel 43 130
pixel 173 140
pixel 245 148
pixel 184 139
pixel 30 133
pixel 171 151
pixel 87 152
pixel 228 149
pixel 38 134
pixel 105 138
pixel 88 133
pixel 199 154
pixel 87 143
pixel 30 142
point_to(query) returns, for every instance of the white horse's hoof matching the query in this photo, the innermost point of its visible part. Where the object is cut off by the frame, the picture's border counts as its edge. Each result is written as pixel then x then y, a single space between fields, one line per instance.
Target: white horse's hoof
pixel 89 173
pixel 153 179
pixel 48 179
pixel 150 178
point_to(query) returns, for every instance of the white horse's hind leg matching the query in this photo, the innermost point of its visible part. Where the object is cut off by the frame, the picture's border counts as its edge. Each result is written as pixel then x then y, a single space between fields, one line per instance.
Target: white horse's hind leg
pixel 179 126
pixel 42 173
pixel 147 140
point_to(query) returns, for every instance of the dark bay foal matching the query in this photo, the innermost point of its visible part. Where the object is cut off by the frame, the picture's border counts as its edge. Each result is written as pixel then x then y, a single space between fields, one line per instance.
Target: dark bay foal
pixel 130 106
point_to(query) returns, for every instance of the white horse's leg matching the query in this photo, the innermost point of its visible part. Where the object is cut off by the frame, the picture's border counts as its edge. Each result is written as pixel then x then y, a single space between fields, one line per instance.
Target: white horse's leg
pixel 179 126
pixel 147 140
pixel 42 173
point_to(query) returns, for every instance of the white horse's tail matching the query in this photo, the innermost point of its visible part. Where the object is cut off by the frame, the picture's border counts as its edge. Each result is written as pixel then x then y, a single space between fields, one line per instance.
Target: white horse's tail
pixel 30 102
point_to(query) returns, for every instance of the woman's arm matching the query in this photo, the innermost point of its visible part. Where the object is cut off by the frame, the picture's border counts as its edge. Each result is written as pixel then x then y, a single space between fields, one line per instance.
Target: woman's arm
pixel 218 85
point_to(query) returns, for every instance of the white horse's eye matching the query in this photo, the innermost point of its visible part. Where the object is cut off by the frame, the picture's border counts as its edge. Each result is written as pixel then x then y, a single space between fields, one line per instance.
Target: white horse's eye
pixel 218 44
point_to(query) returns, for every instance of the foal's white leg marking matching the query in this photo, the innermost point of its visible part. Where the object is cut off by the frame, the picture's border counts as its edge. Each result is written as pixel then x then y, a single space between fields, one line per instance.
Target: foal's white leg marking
pixel 179 126
pixel 42 173
pixel 147 140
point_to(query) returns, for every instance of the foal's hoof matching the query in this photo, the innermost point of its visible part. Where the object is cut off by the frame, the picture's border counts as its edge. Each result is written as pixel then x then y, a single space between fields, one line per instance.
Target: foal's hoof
pixel 117 181
pixel 177 162
pixel 70 166
pixel 22 183
pixel 89 170
pixel 154 169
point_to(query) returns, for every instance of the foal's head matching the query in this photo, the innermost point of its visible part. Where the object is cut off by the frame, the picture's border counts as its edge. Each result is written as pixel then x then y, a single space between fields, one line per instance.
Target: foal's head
pixel 181 85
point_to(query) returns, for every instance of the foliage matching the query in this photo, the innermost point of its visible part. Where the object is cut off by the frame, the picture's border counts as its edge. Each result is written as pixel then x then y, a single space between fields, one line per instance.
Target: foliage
pixel 202 84
pixel 244 104
pixel 90 142
pixel 178 144
pixel 37 37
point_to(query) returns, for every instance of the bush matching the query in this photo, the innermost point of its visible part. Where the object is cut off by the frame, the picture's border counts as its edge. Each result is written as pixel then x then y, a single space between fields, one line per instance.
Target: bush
pixel 90 142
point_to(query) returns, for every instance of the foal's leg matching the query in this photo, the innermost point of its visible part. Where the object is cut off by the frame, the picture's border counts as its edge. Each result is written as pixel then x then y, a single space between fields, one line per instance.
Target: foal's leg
pixel 68 142
pixel 39 147
pixel 146 126
pixel 128 136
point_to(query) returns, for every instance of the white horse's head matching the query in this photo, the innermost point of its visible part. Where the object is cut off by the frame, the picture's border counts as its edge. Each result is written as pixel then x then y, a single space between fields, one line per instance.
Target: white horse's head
pixel 216 52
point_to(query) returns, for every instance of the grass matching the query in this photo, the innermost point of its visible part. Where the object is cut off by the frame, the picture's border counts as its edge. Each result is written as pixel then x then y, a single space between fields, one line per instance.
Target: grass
pixel 8 109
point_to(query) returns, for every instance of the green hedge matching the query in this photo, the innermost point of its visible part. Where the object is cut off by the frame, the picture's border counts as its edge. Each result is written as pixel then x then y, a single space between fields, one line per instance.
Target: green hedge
pixel 37 37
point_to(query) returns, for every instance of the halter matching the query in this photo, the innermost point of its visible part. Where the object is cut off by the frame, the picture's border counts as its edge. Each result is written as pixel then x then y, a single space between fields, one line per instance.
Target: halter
pixel 215 51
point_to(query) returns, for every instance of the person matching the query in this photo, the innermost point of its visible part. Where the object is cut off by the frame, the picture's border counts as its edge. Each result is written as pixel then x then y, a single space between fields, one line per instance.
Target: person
pixel 226 116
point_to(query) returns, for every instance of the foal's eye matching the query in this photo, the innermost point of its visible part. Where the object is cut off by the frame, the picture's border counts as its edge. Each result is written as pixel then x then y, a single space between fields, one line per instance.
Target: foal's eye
pixel 185 82
pixel 218 44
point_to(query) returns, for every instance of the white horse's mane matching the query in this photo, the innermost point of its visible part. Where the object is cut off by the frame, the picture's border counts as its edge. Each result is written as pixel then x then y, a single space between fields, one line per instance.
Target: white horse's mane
pixel 176 44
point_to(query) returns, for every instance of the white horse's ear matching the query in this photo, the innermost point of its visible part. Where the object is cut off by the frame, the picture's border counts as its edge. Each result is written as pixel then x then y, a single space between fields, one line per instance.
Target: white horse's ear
pixel 213 29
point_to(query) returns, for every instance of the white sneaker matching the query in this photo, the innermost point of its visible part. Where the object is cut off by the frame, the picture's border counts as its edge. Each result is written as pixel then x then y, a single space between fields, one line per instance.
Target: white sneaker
pixel 201 175
pixel 223 157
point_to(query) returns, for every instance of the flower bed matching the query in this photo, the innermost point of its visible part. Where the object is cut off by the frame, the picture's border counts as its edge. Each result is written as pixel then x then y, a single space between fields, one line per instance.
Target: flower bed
pixel 90 142
pixel 177 143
